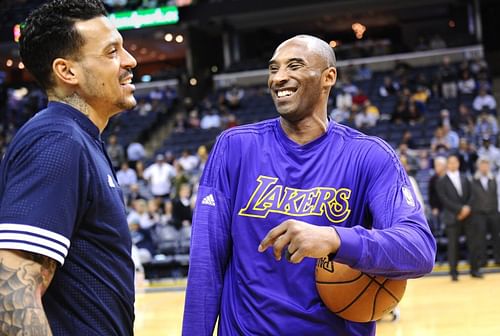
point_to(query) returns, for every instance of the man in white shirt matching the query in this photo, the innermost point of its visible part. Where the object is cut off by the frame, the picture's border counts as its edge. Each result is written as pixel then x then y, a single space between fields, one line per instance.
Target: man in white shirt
pixel 484 99
pixel 188 162
pixel 126 176
pixel 454 191
pixel 159 176
pixel 485 210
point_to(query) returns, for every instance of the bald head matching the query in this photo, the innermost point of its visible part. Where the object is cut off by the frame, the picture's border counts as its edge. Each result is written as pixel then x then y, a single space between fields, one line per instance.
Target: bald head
pixel 316 45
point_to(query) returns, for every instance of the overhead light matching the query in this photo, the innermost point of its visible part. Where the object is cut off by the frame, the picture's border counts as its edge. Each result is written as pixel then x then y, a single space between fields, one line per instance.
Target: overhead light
pixel 169 37
pixel 333 43
pixel 214 68
pixel 20 65
pixel 451 24
pixel 193 81
pixel 146 78
pixel 9 63
pixel 179 38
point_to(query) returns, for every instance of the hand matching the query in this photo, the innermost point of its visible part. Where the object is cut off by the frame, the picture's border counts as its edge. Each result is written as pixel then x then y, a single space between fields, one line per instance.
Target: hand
pixel 464 212
pixel 303 240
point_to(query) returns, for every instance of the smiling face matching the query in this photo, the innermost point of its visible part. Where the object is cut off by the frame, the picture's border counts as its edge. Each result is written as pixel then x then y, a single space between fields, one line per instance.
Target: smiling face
pixel 104 68
pixel 299 79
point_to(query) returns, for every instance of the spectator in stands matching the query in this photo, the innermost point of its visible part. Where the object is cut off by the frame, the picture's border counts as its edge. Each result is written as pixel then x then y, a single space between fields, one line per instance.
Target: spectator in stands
pixel 153 211
pixel 362 119
pixel 407 139
pixel 180 123
pixel 421 97
pixel 484 100
pixel 234 96
pixel 349 87
pixel 135 152
pixel 412 115
pixel 202 155
pixel 485 216
pixel 193 119
pixel 467 156
pixel 115 152
pixel 139 214
pixel 211 119
pixel 136 191
pixel 491 152
pixel 399 113
pixel 410 156
pixel 421 44
pixel 143 107
pixel 140 230
pixel 465 122
pixel 451 137
pixel 166 218
pixel 359 98
pixel 160 175
pixel 188 162
pixel 182 211
pixel 180 178
pixel 340 115
pixel 447 77
pixel 486 126
pixel 439 142
pixel 454 192
pixel 466 83
pixel 343 101
pixel 126 176
pixel 363 73
pixel 389 88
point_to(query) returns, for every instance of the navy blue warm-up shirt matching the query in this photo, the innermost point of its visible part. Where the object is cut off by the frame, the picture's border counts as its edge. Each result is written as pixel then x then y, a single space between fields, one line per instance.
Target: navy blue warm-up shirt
pixel 59 197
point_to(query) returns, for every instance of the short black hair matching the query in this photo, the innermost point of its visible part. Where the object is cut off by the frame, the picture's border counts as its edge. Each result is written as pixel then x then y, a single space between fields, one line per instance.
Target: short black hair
pixel 49 32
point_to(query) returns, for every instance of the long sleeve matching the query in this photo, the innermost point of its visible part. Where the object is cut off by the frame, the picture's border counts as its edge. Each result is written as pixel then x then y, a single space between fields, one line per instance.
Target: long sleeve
pixel 399 244
pixel 210 247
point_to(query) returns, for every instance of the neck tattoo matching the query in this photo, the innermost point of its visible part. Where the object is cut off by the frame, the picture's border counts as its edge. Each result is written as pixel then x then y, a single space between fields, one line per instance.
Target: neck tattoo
pixel 77 102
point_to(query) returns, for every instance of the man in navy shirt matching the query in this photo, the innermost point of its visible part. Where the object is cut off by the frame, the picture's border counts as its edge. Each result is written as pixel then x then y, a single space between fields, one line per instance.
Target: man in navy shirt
pixel 65 264
pixel 302 185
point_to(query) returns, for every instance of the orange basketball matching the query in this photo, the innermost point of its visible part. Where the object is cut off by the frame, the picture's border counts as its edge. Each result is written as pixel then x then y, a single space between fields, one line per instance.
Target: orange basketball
pixel 354 295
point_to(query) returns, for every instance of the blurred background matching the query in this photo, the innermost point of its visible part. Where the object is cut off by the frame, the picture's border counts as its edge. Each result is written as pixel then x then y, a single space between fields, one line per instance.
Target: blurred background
pixel 423 75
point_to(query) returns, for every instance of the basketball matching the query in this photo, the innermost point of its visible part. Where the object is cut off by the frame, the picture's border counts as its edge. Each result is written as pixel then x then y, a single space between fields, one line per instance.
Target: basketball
pixel 354 295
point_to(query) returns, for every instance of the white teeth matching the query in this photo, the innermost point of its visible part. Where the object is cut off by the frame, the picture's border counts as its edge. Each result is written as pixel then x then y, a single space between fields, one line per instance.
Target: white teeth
pixel 284 93
pixel 129 81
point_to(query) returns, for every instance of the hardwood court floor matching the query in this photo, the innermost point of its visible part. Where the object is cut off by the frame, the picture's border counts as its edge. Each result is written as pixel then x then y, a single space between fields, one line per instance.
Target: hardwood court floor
pixel 432 306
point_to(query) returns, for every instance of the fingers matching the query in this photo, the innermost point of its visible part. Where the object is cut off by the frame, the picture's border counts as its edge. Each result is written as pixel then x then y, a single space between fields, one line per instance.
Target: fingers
pixel 280 244
pixel 272 236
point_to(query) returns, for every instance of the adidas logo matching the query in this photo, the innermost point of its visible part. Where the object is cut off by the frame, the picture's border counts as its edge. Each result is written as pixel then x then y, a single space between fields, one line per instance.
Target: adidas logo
pixel 208 200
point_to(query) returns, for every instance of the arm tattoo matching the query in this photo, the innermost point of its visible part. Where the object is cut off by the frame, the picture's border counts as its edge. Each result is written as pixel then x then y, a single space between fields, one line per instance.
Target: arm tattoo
pixel 21 290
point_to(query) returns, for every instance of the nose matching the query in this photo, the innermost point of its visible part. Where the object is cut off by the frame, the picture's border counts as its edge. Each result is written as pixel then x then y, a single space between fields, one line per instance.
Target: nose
pixel 279 77
pixel 128 61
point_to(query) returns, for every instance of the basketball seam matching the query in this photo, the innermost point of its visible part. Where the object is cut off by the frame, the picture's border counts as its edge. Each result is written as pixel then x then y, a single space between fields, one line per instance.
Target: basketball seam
pixel 382 286
pixel 356 298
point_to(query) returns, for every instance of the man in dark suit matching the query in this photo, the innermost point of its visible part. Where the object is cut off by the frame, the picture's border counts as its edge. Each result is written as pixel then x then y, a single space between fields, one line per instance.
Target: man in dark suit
pixel 454 191
pixel 485 215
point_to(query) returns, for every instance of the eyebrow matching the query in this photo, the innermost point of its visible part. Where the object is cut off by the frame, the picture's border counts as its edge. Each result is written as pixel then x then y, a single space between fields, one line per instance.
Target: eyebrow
pixel 290 60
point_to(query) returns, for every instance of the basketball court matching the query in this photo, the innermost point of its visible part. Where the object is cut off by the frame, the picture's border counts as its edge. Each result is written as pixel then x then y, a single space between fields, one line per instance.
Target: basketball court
pixel 432 306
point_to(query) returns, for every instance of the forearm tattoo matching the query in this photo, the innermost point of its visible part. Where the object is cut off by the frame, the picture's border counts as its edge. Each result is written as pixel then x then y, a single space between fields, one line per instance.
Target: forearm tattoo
pixel 21 289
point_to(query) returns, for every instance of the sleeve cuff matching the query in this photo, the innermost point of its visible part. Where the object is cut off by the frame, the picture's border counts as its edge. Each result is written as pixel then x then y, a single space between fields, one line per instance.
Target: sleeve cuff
pixel 351 247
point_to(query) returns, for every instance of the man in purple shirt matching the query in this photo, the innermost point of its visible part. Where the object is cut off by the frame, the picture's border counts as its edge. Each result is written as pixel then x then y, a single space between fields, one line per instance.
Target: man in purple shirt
pixel 307 187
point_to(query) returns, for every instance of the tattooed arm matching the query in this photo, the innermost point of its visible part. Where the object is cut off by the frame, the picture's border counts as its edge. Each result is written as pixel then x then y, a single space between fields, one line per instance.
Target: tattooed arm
pixel 24 278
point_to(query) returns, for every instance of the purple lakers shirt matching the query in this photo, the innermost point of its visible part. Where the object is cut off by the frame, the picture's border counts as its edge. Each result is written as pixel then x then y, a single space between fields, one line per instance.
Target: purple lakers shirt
pixel 255 179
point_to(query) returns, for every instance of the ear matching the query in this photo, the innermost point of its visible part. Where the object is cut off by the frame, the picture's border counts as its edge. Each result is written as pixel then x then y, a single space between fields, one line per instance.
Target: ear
pixel 330 77
pixel 65 71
